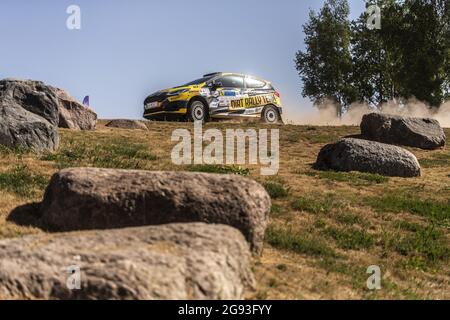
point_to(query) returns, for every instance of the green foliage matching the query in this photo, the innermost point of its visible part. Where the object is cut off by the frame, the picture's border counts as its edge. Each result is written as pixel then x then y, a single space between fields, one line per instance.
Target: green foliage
pixel 287 239
pixel 424 46
pixel 276 190
pixel 353 178
pixel 276 210
pixel 436 160
pixel 118 154
pixel 348 218
pixel 220 169
pixel 320 224
pixel 408 226
pixel 357 273
pixel 376 57
pixel 434 210
pixel 22 182
pixel 424 245
pixel 351 238
pixel 325 66
pixel 323 204
pixel 409 57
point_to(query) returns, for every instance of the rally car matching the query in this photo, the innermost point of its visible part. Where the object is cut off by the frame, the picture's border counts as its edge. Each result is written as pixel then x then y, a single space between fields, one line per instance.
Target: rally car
pixel 216 96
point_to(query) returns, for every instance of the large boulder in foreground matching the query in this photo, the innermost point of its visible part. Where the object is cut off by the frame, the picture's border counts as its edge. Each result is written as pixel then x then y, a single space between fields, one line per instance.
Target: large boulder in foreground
pixel 413 132
pixel 178 261
pixel 127 124
pixel 368 156
pixel 53 104
pixel 91 198
pixel 20 128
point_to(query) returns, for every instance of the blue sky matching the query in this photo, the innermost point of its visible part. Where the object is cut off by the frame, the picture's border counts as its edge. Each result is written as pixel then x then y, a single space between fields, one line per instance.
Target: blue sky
pixel 129 49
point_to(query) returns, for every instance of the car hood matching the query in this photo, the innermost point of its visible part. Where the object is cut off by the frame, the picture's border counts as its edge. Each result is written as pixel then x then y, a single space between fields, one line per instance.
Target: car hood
pixel 193 87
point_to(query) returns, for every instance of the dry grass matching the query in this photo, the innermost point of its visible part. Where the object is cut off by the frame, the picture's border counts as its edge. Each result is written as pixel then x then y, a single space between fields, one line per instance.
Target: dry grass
pixel 326 227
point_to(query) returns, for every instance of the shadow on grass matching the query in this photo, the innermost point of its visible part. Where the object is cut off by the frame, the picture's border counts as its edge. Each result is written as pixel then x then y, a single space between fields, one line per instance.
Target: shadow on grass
pixel 27 215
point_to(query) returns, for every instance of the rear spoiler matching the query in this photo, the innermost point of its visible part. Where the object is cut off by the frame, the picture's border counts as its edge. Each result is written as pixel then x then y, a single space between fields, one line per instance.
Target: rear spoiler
pixel 212 74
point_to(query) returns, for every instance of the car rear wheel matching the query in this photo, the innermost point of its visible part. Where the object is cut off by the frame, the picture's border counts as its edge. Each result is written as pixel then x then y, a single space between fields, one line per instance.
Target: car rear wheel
pixel 197 112
pixel 270 115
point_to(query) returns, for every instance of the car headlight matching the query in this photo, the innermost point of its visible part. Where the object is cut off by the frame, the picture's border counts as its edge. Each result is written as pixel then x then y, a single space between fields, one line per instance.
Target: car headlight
pixel 177 93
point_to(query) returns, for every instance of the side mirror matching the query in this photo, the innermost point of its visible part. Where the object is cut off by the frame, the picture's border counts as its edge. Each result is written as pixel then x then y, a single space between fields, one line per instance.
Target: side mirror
pixel 213 85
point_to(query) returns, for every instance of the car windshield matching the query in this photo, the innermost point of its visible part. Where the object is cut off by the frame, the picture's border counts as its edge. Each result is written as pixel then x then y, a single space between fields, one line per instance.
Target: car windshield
pixel 198 81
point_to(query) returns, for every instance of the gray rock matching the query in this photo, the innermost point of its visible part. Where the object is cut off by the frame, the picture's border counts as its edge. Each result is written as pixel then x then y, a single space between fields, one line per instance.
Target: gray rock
pixel 127 124
pixel 53 104
pixel 20 128
pixel 74 115
pixel 368 156
pixel 33 96
pixel 90 198
pixel 177 261
pixel 413 132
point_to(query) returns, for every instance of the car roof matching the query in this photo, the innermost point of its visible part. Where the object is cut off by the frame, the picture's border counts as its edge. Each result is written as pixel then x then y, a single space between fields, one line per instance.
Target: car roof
pixel 216 74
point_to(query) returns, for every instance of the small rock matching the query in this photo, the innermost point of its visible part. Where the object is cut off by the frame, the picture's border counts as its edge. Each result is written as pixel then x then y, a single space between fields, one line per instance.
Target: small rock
pixel 127 124
pixel 178 261
pixel 368 156
pixel 91 198
pixel 413 132
pixel 74 115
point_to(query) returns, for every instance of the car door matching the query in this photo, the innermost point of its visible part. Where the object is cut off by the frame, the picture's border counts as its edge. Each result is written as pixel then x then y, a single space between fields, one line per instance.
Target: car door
pixel 257 93
pixel 229 92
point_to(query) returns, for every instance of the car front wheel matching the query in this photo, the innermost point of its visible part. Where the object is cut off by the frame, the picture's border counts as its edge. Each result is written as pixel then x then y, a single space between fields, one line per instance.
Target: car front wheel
pixel 270 115
pixel 197 112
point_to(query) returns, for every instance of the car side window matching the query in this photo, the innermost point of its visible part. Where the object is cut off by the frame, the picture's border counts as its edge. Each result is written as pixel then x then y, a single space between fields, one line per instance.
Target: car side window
pixel 254 83
pixel 231 82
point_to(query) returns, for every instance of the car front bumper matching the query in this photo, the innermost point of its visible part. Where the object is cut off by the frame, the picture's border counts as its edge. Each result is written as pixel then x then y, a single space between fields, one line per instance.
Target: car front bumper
pixel 166 107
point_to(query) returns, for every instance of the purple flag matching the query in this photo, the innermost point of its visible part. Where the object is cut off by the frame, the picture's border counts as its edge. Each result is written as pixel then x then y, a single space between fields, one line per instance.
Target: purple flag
pixel 86 101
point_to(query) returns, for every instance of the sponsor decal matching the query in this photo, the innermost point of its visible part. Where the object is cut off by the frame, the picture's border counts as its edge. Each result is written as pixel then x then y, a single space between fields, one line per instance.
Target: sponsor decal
pixel 251 102
pixel 225 98
pixel 229 93
pixel 253 110
pixel 214 104
pixel 152 105
pixel 205 92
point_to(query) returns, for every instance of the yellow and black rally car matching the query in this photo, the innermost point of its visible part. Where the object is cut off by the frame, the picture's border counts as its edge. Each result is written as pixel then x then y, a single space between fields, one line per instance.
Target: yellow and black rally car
pixel 216 95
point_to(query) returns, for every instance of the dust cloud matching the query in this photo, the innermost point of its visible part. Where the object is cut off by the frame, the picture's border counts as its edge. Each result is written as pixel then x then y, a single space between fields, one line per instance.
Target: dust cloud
pixel 326 114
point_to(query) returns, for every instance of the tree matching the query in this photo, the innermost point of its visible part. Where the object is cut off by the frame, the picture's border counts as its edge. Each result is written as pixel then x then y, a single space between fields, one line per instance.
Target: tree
pixel 325 67
pixel 408 57
pixel 376 58
pixel 425 49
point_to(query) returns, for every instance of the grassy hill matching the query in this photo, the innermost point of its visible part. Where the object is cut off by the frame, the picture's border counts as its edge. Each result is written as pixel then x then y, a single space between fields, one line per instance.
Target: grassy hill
pixel 326 227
